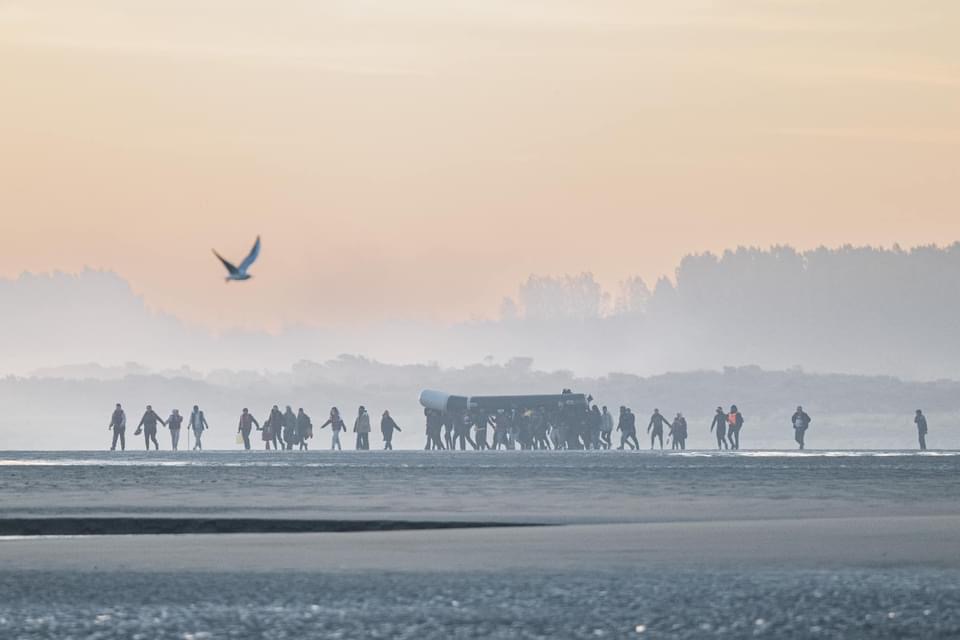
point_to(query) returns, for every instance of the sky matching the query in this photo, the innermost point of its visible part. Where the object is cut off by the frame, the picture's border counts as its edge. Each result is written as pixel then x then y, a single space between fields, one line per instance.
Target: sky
pixel 420 159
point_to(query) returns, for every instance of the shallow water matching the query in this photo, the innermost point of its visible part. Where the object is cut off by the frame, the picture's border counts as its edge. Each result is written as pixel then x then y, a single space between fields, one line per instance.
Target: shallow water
pixel 577 486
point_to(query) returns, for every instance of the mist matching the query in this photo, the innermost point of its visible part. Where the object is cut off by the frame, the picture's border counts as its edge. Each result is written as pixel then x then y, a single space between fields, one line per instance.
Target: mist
pixel 855 310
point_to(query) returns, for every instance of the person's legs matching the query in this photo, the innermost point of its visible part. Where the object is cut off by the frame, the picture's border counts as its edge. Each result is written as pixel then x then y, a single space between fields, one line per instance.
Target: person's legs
pixel 175 438
pixel 116 436
pixel 923 442
pixel 246 440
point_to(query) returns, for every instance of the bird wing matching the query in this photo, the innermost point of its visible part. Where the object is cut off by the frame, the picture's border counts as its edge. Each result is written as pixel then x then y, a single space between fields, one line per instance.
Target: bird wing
pixel 249 260
pixel 232 269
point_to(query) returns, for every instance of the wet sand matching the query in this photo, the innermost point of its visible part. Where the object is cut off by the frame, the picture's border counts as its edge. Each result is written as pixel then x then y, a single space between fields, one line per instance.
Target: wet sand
pixel 826 543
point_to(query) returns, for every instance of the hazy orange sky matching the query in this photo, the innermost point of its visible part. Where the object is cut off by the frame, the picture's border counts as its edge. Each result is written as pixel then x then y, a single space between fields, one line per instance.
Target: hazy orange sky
pixel 421 158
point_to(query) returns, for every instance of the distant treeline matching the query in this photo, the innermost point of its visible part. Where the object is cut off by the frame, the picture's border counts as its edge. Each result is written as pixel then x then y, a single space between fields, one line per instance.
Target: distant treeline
pixel 856 309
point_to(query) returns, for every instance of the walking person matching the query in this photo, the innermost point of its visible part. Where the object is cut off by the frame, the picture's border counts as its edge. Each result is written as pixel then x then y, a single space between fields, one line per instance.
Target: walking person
pixel 801 422
pixel 719 427
pixel 448 425
pixel 655 427
pixel 361 426
pixel 480 422
pixel 921 421
pixel 173 423
pixel 304 428
pixel 289 428
pixel 434 426
pixel 245 427
pixel 198 423
pixel 595 424
pixel 606 428
pixel 539 427
pixel 734 424
pixel 678 433
pixel 118 423
pixel 148 426
pixel 271 429
pixel 336 426
pixel 628 429
pixel 387 426
pixel 461 431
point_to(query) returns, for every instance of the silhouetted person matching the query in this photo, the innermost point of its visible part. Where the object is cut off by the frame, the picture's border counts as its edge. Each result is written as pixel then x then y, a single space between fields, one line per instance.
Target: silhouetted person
pixel 118 423
pixel 245 427
pixel 198 423
pixel 606 428
pixel 289 428
pixel 595 423
pixel 434 422
pixel 304 428
pixel 361 426
pixel 921 421
pixel 501 430
pixel 387 426
pixel 461 431
pixel 734 424
pixel 801 422
pixel 448 425
pixel 480 423
pixel 655 427
pixel 678 432
pixel 719 426
pixel 336 426
pixel 174 422
pixel 272 427
pixel 628 429
pixel 148 425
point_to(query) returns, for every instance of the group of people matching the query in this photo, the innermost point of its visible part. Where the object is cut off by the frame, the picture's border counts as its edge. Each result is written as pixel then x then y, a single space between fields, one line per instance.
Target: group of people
pixel 561 428
pixel 148 427
pixel 568 427
pixel 282 429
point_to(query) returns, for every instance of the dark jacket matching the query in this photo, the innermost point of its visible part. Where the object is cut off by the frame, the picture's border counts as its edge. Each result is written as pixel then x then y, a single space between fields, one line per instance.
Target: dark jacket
pixel 388 425
pixel 118 419
pixel 800 418
pixel 656 422
pixel 149 420
pixel 720 422
pixel 246 422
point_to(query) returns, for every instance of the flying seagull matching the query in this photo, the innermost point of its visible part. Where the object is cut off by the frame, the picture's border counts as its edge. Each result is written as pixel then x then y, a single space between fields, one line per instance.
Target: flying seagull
pixel 240 273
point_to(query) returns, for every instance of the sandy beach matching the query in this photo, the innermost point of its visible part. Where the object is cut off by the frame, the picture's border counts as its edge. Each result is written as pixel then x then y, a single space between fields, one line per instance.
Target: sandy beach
pixel 699 545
